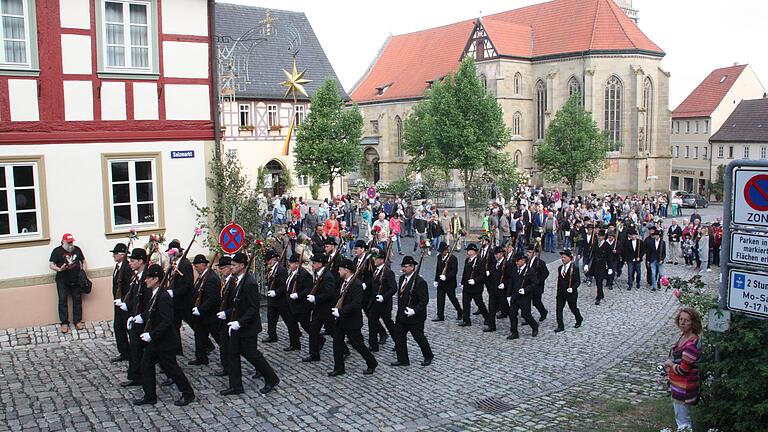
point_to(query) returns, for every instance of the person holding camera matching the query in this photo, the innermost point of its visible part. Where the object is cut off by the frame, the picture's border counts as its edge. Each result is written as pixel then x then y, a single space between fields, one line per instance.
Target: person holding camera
pixel 683 366
pixel 67 260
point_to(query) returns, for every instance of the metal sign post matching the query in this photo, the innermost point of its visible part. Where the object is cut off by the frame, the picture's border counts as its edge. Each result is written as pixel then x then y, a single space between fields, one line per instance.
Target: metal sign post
pixel 744 252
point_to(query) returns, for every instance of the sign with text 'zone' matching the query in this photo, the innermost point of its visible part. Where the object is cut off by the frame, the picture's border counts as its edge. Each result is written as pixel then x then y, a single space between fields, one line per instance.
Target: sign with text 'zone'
pixel 750 197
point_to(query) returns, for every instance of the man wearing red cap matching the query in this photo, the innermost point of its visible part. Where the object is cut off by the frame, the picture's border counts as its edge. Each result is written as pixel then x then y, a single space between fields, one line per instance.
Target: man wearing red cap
pixel 67 260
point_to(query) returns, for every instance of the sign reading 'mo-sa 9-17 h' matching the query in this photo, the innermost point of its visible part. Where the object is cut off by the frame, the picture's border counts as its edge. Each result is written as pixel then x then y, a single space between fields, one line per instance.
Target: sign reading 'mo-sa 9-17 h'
pixel 744 275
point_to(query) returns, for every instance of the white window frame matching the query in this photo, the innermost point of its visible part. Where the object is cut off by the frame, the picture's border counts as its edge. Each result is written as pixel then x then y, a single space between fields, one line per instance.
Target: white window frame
pixel 273 116
pixel 27 40
pixel 302 180
pixel 746 152
pixel 696 152
pixel 763 152
pixel 706 126
pixel 720 152
pixel 12 212
pixel 676 151
pixel 244 109
pixel 300 112
pixel 697 127
pixel 127 35
pixel 704 153
pixel 687 152
pixel 133 203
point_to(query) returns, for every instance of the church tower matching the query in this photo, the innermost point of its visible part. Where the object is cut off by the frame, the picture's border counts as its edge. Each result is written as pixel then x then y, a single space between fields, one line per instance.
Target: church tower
pixel 626 6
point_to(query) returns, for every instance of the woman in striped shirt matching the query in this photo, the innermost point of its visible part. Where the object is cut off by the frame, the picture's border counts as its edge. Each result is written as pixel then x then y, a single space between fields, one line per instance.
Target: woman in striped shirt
pixel 683 366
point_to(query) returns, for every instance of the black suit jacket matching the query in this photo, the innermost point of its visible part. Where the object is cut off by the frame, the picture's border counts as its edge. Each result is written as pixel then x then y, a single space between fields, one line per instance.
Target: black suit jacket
pixel 276 282
pixel 211 295
pixel 325 296
pixel 301 284
pixel 123 275
pixel 246 307
pixel 136 299
pixel 571 279
pixel 655 254
pixel 525 280
pixel 350 312
pixel 416 296
pixel 473 270
pixel 159 323
pixel 364 276
pixel 540 273
pixel 634 254
pixel 183 287
pixel 317 244
pixel 450 272
pixel 383 284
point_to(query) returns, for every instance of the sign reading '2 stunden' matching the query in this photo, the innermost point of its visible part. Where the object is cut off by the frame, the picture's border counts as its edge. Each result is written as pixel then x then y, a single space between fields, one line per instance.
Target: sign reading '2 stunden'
pixel 749 292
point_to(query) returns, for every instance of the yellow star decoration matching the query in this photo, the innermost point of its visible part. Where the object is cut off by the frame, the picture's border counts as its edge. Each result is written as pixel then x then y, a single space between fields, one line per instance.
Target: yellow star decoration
pixel 295 81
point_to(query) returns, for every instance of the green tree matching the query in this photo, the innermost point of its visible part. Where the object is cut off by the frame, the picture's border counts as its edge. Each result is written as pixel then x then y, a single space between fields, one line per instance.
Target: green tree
pixel 328 141
pixel 574 148
pixel 457 126
pixel 719 185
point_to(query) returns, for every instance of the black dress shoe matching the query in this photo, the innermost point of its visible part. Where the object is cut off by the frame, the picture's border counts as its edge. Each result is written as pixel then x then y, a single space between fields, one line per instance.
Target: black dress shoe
pixel 346 354
pixel 460 316
pixel 292 348
pixel 535 331
pixel 559 329
pixel 232 391
pixel 513 336
pixel 427 362
pixel 543 317
pixel 465 324
pixel 184 400
pixel 489 329
pixel 374 348
pixel 578 324
pixel 610 287
pixel 325 333
pixel 370 370
pixel 256 375
pixel 167 382
pixel 310 359
pixel 397 363
pixel 438 319
pixel 269 340
pixel 336 373
pixel 501 316
pixel 383 338
pixel 525 323
pixel 118 359
pixel 145 401
pixel 220 373
pixel 477 313
pixel 269 387
pixel 321 345
pixel 130 384
pixel 197 362
pixel 597 302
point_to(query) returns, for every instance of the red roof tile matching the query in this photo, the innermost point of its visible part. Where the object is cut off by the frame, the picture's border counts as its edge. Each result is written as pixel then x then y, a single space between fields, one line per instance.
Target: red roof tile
pixel 553 28
pixel 705 98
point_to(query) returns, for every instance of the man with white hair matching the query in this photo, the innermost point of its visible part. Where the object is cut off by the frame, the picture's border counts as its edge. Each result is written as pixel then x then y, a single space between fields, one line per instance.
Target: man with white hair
pixel 67 260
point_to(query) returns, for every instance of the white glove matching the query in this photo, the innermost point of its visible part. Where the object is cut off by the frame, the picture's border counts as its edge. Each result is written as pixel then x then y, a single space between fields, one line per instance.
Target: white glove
pixel 569 290
pixel 170 293
pixel 118 302
pixel 410 312
pixel 335 312
pixel 471 281
pixel 610 272
pixel 501 286
pixel 521 291
pixel 124 307
pixel 380 298
pixel 294 296
pixel 394 238
pixel 509 300
pixel 435 284
pixel 271 293
pixel 129 323
pixel 138 319
pixel 364 286
pixel 195 311
pixel 442 278
pixel 233 326
pixel 146 337
pixel 221 315
pixel 586 268
pixel 487 273
pixel 311 298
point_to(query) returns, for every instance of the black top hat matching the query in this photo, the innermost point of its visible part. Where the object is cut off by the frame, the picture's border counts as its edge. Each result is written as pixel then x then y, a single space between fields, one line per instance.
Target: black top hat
pixel 319 258
pixel 270 254
pixel 225 261
pixel 138 254
pixel 330 241
pixel 408 260
pixel 520 256
pixel 347 264
pixel 120 248
pixel 471 247
pixel 200 259
pixel 294 258
pixel 567 252
pixel 498 249
pixel 240 258
pixel 174 244
pixel 361 244
pixel 154 271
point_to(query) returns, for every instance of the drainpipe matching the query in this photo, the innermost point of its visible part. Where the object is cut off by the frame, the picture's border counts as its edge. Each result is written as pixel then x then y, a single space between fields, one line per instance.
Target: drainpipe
pixel 214 79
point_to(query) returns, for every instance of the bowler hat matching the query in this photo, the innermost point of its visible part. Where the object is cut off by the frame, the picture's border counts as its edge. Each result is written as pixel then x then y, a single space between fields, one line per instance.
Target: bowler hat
pixel 175 244
pixel 138 254
pixel 225 261
pixel 200 259
pixel 520 256
pixel 567 252
pixel 270 254
pixel 240 258
pixel 361 244
pixel 472 247
pixel 408 260
pixel 330 241
pixel 319 258
pixel 498 249
pixel 347 264
pixel 443 247
pixel 120 248
pixel 294 258
pixel 154 271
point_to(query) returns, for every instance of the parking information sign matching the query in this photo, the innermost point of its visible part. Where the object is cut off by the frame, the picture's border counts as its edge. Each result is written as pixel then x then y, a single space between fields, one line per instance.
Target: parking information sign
pixel 750 206
pixel 749 292
pixel 749 248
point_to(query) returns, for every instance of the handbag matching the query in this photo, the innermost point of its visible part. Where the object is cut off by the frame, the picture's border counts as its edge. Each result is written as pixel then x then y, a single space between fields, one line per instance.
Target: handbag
pixel 84 283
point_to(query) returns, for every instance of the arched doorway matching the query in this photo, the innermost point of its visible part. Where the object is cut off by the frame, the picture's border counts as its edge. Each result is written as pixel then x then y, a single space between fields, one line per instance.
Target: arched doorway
pixel 372 157
pixel 274 170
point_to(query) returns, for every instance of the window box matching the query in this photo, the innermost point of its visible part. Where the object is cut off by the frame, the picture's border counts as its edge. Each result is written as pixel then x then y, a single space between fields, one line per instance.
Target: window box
pixel 275 128
pixel 246 128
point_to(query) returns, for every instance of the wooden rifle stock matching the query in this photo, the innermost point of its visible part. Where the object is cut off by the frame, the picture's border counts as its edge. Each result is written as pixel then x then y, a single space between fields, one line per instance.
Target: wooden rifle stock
pixel 119 290
pixel 204 280
pixel 412 282
pixel 139 293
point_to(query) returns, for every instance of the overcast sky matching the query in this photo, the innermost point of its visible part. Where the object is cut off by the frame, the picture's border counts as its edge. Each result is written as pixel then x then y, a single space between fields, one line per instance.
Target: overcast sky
pixel 697 35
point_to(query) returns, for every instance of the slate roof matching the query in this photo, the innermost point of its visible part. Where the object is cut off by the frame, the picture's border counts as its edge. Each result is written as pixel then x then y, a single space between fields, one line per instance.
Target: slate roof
pixel 705 98
pixel 540 31
pixel 269 58
pixel 747 123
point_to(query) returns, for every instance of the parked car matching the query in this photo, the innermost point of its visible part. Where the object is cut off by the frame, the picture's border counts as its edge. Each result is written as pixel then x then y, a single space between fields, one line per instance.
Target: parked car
pixel 694 201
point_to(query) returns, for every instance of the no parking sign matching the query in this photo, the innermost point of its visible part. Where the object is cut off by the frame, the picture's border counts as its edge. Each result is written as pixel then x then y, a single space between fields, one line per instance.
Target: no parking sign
pixel 231 238
pixel 750 204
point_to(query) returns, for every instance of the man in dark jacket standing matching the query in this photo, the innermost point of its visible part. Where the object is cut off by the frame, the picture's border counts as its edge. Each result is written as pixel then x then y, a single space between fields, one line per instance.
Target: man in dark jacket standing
pixel 162 343
pixel 473 282
pixel 445 282
pixel 349 321
pixel 539 272
pixel 121 279
pixel 383 287
pixel 321 296
pixel 181 288
pixel 521 285
pixel 297 288
pixel 568 281
pixel 244 328
pixel 277 301
pixel 412 301
pixel 207 299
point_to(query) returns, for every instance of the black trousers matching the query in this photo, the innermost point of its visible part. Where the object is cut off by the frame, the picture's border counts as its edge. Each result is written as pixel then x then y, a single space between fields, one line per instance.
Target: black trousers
pixel 248 348
pixel 466 300
pixel 571 300
pixel 537 303
pixel 167 361
pixel 281 311
pixel 223 331
pixel 64 291
pixel 204 329
pixel 375 330
pixel 451 293
pixel 599 278
pixel 302 319
pixel 135 353
pixel 401 342
pixel 314 335
pixel 121 332
pixel 524 308
pixel 355 338
pixel 497 302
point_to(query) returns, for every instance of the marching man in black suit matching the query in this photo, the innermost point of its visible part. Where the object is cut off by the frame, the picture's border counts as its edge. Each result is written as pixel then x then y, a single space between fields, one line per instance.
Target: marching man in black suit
pixel 225 268
pixel 568 281
pixel 134 303
pixel 497 300
pixel 349 321
pixel 412 301
pixel 634 250
pixel 321 296
pixel 297 287
pixel 244 328
pixel 277 301
pixel 363 262
pixel 473 282
pixel 539 271
pixel 162 342
pixel 207 302
pixel 383 287
pixel 121 280
pixel 520 288
pixel 445 281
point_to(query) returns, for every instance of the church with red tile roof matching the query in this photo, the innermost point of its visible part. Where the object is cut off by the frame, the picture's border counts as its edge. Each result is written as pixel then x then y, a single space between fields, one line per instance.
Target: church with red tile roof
pixel 532 59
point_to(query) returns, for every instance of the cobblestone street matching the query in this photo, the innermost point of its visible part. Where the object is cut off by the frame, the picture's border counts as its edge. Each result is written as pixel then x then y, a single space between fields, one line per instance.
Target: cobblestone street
pixel 50 381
